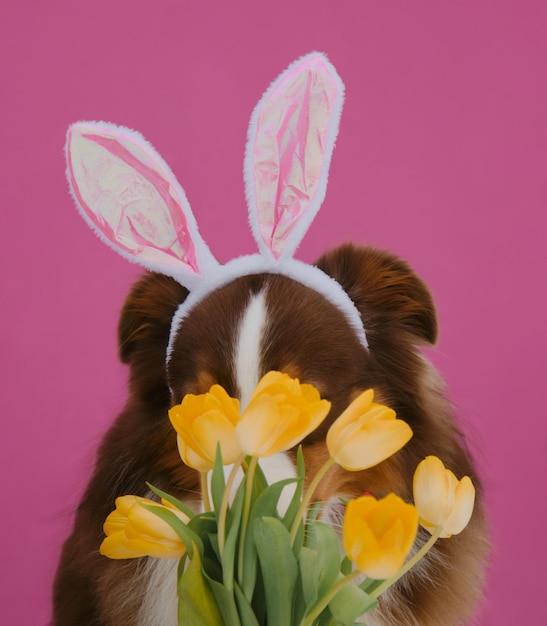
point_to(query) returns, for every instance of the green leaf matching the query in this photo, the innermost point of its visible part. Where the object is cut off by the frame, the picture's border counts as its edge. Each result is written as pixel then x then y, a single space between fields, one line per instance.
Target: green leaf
pixel 326 543
pixel 176 503
pixel 326 619
pixel 314 511
pixel 246 613
pixel 304 534
pixel 203 523
pixel 226 603
pixel 182 565
pixel 294 504
pixel 279 569
pixel 188 536
pixel 213 542
pixel 264 506
pixel 307 561
pixel 232 532
pixel 205 526
pixel 197 604
pixel 370 584
pixel 258 601
pixel 346 566
pixel 319 564
pixel 296 500
pixel 267 501
pixel 218 481
pixel 299 603
pixel 260 481
pixel 299 539
pixel 350 603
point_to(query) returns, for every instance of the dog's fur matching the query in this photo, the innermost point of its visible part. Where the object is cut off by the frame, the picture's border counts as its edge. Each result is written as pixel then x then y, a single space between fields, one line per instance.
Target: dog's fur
pixel 306 336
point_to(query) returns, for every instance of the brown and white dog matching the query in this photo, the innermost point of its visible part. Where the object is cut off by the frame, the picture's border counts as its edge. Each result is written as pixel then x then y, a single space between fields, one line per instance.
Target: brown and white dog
pixel 255 324
pixel 235 332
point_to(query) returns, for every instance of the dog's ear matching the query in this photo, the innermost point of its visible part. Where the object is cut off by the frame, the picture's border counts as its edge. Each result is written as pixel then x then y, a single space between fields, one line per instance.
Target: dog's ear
pixel 143 333
pixel 389 296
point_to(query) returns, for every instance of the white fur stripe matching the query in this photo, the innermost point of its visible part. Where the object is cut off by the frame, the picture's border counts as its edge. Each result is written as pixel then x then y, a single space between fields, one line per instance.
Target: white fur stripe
pixel 247 355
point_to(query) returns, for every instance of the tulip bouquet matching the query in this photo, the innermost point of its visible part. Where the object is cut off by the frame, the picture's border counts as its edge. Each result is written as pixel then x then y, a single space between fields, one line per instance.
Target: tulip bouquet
pixel 247 561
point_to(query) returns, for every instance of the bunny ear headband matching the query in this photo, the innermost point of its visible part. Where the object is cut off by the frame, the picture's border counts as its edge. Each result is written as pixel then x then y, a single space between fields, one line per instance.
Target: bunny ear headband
pixel 130 197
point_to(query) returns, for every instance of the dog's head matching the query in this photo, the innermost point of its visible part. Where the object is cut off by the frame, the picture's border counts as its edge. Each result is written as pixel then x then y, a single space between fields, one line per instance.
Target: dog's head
pixel 271 322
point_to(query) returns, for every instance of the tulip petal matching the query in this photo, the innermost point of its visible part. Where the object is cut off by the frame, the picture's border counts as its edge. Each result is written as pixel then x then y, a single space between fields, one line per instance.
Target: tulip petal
pixel 228 405
pixel 441 499
pixel 280 413
pixel 366 433
pixel 258 426
pixel 431 490
pixel 381 564
pixel 355 533
pixel 298 424
pixel 115 522
pixel 125 503
pixel 157 549
pixel 177 415
pixel 191 458
pixel 378 534
pixel 463 507
pixel 116 546
pixel 351 414
pixel 148 533
pixel 142 521
pixel 361 422
pixel 212 428
pixel 372 443
pixel 309 394
pixel 270 379
pixel 201 422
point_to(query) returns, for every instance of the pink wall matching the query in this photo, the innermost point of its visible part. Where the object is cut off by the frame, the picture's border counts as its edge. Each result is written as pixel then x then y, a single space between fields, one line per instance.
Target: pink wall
pixel 441 157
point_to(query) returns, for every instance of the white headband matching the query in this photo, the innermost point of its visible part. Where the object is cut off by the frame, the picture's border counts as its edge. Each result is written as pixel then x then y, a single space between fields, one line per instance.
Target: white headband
pixel 129 196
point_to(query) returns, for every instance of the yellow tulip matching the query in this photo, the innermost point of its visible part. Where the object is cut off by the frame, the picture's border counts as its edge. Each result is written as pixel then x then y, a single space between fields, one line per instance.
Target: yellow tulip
pixel 441 499
pixel 133 531
pixel 201 423
pixel 378 534
pixel 366 433
pixel 280 413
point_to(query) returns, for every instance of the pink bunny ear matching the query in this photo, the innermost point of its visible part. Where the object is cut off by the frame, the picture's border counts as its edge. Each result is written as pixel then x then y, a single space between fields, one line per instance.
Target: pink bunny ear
pixel 291 138
pixel 130 197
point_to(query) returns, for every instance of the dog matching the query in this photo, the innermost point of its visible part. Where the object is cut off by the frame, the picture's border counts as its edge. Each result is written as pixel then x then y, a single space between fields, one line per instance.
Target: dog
pixel 179 337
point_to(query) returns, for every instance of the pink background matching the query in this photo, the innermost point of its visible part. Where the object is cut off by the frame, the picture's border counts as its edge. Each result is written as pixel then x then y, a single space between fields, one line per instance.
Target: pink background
pixel 441 158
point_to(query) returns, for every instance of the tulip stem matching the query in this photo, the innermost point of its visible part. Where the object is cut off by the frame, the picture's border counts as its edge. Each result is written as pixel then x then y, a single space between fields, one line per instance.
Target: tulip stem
pixel 205 492
pixel 224 505
pixel 320 606
pixel 307 498
pixel 410 563
pixel 245 515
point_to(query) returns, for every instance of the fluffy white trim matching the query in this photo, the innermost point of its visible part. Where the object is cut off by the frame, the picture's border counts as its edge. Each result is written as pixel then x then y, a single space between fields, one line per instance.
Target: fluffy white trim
pixel 308 275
